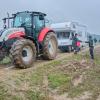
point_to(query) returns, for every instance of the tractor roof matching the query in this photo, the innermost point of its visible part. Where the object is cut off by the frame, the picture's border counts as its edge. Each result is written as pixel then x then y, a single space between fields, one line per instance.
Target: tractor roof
pixel 33 12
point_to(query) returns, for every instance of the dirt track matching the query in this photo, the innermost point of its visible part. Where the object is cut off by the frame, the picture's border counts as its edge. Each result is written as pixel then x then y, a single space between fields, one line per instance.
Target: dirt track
pixel 9 70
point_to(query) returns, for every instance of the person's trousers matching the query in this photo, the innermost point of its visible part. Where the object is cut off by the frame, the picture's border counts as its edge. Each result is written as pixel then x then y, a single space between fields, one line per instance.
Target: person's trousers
pixel 92 52
pixel 76 50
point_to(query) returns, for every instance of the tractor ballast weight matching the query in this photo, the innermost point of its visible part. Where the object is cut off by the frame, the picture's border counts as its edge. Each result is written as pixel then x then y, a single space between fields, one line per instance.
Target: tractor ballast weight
pixel 27 39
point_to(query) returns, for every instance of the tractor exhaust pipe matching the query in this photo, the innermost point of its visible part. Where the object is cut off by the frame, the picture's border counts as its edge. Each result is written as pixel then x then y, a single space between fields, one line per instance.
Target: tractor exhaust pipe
pixel 8 19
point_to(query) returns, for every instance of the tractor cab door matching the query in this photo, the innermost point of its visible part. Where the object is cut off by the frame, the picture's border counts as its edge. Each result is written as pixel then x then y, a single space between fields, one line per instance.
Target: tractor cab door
pixel 38 24
pixel 28 25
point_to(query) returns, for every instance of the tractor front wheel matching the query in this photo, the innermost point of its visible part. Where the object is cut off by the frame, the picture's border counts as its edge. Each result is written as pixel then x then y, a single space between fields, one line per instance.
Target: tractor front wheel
pixel 50 46
pixel 23 52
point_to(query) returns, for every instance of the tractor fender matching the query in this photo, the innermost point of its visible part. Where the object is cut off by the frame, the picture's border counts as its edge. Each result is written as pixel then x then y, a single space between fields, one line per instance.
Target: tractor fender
pixel 16 35
pixel 43 33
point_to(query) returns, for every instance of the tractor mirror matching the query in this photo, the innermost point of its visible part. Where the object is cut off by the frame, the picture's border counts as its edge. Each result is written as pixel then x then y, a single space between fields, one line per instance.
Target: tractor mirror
pixel 41 17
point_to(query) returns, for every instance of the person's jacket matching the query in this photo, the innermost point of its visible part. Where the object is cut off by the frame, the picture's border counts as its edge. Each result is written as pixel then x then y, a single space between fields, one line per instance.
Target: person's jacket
pixel 90 42
pixel 74 42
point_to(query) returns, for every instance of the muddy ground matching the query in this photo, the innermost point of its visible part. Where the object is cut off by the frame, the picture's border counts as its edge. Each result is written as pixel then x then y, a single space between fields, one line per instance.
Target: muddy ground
pixel 69 77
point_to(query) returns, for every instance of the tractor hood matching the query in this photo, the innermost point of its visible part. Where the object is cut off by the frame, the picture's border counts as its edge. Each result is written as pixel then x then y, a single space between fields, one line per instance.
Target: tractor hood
pixel 11 33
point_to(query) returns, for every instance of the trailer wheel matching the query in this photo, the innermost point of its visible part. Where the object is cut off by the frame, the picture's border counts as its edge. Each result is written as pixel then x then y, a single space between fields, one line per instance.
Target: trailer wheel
pixel 50 46
pixel 23 53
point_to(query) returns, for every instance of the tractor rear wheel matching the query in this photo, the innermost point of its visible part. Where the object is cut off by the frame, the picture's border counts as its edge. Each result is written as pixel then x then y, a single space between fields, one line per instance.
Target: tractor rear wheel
pixel 50 46
pixel 23 53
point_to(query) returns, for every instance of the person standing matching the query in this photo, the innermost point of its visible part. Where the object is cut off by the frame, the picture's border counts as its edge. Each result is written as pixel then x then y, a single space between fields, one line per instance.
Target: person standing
pixel 91 47
pixel 76 44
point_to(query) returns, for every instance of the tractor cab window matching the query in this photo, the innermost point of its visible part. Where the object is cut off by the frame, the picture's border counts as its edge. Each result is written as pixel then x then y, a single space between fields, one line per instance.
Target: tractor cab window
pixel 38 23
pixel 22 19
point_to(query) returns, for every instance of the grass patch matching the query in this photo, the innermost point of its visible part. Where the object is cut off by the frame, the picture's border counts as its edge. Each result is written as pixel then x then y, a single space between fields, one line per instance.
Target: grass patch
pixel 58 79
pixel 76 91
pixel 36 79
pixel 14 98
pixel 6 60
pixel 3 92
pixel 31 95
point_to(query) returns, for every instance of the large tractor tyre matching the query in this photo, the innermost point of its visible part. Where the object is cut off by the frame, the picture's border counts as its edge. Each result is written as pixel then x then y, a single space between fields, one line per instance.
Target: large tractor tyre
pixel 23 53
pixel 50 46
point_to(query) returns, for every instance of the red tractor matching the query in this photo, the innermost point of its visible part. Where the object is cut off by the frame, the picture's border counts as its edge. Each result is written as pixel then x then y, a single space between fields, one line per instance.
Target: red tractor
pixel 27 39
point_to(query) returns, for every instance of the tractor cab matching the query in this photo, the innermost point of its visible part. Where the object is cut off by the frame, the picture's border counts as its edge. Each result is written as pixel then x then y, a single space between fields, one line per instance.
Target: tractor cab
pixel 32 22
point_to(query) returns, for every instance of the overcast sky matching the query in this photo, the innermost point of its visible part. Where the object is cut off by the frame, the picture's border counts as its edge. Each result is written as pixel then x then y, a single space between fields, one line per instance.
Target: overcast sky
pixel 86 12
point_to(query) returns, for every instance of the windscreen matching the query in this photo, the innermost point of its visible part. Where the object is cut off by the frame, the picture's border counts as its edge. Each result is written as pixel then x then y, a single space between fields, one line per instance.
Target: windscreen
pixel 22 19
